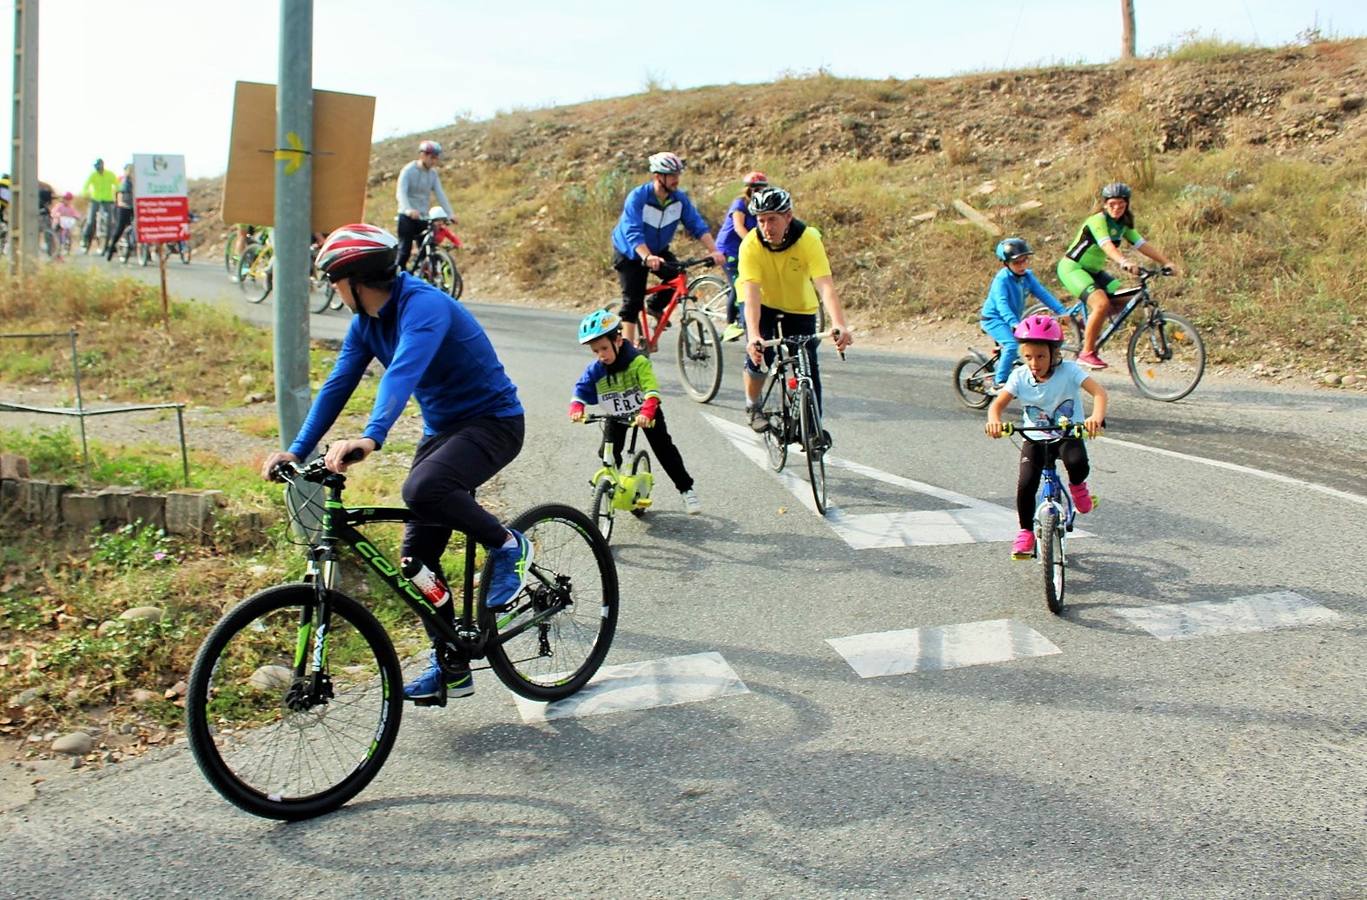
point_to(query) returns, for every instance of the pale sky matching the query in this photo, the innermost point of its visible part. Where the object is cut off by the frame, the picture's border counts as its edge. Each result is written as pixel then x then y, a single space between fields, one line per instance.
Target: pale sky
pixel 156 76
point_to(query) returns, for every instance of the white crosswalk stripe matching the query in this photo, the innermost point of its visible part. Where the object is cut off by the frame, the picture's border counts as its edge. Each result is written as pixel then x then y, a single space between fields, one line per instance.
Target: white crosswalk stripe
pixel 941 647
pixel 643 685
pixel 1240 615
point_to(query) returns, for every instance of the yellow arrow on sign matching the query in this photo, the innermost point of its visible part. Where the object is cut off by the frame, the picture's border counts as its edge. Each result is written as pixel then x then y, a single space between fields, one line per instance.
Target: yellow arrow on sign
pixel 293 155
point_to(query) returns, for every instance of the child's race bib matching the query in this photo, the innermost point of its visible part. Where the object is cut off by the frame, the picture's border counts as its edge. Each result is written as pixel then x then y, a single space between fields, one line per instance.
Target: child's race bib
pixel 622 403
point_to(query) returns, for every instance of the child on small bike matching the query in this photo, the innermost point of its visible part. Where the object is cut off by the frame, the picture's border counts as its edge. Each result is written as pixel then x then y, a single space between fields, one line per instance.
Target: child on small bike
pixel 1005 304
pixel 622 379
pixel 1050 388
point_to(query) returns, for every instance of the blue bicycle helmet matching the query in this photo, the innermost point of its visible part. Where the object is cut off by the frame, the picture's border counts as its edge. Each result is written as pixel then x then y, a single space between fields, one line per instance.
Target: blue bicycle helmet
pixel 1013 248
pixel 599 323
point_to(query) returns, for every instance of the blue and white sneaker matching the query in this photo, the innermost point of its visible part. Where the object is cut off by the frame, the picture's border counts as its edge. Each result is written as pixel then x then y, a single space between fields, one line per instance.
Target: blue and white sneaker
pixel 511 567
pixel 459 682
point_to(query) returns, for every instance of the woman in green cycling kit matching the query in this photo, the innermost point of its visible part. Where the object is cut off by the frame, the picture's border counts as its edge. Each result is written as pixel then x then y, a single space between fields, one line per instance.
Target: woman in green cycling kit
pixel 1098 240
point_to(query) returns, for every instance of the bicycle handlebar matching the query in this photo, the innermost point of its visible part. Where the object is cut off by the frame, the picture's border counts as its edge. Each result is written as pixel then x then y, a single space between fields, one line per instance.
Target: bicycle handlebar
pixel 603 417
pixel 289 471
pixel 1068 429
pixel 704 261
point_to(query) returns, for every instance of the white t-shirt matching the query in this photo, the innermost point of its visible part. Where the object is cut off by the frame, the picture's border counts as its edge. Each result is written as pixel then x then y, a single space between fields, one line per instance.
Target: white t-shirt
pixel 1043 403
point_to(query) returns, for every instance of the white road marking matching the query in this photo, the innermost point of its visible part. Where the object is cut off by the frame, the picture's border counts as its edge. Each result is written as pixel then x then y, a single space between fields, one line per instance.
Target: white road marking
pixel 941 647
pixel 643 685
pixel 976 521
pixel 1240 615
pixel 1245 470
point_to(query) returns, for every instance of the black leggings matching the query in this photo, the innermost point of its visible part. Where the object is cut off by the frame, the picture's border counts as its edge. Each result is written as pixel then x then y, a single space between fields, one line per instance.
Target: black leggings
pixel 632 274
pixel 408 230
pixel 661 444
pixel 1035 455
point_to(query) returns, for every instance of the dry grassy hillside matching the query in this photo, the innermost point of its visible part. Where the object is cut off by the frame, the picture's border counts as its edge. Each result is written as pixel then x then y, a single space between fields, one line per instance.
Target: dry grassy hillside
pixel 1249 166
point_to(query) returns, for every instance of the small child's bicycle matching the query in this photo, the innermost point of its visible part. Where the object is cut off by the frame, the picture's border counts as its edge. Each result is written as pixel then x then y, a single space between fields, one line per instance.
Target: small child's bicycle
pixel 612 490
pixel 973 379
pixel 1054 514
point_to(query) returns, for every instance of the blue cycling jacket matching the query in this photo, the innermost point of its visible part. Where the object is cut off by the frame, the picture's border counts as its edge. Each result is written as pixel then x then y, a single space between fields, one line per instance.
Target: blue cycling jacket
pixel 432 349
pixel 1005 301
pixel 645 220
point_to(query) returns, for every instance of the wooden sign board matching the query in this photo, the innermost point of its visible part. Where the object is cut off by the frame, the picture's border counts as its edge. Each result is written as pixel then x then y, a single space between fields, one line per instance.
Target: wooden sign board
pixel 342 125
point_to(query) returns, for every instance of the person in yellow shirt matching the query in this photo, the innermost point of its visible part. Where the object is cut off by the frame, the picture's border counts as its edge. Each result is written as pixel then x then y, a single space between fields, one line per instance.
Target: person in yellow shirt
pixel 782 269
pixel 100 187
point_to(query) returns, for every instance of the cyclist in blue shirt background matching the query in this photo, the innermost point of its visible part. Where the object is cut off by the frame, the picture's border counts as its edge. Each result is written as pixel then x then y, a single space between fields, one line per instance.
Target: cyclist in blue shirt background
pixel 640 242
pixel 1005 304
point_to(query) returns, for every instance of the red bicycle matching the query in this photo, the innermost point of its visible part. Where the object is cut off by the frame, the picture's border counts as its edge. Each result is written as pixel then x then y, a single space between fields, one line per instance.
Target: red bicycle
pixel 699 344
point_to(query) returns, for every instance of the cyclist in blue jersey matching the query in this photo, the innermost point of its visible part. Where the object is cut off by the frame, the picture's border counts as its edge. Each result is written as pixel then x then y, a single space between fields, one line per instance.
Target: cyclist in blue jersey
pixel 1005 304
pixel 737 223
pixel 435 351
pixel 640 242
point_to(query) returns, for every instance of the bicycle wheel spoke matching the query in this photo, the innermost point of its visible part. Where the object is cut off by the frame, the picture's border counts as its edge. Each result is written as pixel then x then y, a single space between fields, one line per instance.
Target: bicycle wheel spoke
pixel 1166 357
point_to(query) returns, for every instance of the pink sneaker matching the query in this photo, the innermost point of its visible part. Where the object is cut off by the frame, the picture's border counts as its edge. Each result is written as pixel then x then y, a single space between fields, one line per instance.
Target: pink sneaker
pixel 1091 361
pixel 1024 547
pixel 1082 498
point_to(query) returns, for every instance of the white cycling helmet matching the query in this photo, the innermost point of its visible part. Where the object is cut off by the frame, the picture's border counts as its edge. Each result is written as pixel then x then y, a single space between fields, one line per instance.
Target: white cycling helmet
pixel 437 212
pixel 666 164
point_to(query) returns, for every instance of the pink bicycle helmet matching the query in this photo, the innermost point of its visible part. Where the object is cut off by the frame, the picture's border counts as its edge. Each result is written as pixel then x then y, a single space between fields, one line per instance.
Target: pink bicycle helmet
pixel 756 180
pixel 1039 328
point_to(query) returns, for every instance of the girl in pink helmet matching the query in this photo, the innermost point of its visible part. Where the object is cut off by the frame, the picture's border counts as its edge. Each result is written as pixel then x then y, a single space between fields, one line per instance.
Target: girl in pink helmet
pixel 1050 389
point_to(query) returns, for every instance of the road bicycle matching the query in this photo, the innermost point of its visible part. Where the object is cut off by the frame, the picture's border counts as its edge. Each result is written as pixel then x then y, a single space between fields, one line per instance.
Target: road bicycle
pixel 1054 513
pixel 1166 356
pixel 295 696
pixel 256 276
pixel 435 264
pixel 699 345
pixel 613 490
pixel 791 409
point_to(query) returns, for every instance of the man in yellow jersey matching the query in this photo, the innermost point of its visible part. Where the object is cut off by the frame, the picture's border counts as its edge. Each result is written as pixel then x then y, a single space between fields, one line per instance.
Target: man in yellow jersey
pixel 783 267
pixel 100 188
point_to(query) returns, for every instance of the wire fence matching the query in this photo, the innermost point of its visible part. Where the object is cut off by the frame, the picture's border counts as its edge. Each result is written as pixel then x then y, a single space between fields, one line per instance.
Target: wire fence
pixel 81 413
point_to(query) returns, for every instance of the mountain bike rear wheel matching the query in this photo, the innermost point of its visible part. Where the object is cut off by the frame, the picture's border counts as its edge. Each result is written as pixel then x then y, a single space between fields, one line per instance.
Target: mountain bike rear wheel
pixel 286 745
pixel 969 378
pixel 813 444
pixel 1051 559
pixel 699 355
pixel 1166 357
pixel 548 642
pixel 602 513
pixel 254 274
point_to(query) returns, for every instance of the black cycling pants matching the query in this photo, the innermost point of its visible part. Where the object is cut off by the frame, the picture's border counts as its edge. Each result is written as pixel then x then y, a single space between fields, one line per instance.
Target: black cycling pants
pixel 661 444
pixel 1035 455
pixel 123 217
pixel 632 274
pixel 793 324
pixel 408 231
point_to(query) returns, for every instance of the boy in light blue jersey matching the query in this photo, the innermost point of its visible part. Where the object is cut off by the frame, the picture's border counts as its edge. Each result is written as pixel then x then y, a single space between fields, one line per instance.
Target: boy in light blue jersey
pixel 1005 304
pixel 1050 389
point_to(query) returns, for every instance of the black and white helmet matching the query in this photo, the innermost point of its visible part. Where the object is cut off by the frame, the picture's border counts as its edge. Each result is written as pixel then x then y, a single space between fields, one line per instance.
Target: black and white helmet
pixel 666 164
pixel 1116 190
pixel 770 200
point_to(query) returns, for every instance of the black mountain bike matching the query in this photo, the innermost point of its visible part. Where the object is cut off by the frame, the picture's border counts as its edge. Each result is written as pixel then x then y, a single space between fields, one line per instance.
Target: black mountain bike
pixel 435 264
pixel 794 416
pixel 296 694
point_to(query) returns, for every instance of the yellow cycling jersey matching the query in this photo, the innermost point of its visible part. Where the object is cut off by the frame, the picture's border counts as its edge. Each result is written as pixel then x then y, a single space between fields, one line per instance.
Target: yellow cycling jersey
pixel 785 276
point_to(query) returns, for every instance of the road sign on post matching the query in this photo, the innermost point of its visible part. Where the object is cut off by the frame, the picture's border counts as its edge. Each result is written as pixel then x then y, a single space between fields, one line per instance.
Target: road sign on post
pixel 161 208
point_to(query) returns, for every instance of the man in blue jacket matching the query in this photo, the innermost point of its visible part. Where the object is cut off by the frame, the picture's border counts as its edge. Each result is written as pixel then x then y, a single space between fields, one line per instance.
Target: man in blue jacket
pixel 435 351
pixel 640 242
pixel 1005 304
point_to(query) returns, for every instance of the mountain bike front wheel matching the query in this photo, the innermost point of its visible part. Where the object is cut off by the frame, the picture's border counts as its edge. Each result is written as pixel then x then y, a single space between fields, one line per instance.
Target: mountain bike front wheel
pixel 602 513
pixel 1166 357
pixel 712 295
pixel 813 444
pixel 254 274
pixel 1048 534
pixel 289 717
pixel 969 376
pixel 547 643
pixel 699 355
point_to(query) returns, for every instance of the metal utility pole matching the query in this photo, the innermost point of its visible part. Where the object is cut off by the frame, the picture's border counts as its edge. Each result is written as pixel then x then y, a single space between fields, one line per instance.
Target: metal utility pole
pixel 23 208
pixel 293 205
pixel 1127 29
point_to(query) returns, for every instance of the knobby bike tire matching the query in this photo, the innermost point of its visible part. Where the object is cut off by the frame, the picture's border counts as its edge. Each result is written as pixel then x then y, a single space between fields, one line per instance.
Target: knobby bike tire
pixel 1051 560
pixel 254 278
pixel 779 419
pixel 262 756
pixel 712 295
pixel 556 657
pixel 699 355
pixel 1166 357
pixel 639 463
pixel 444 274
pixel 602 511
pixel 813 444
pixel 969 376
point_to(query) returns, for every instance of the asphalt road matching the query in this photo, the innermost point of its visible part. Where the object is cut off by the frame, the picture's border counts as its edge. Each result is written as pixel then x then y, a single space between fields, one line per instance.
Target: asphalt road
pixel 1092 758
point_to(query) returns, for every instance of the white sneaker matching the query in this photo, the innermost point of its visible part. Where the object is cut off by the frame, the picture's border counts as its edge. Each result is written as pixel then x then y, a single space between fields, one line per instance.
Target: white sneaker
pixel 692 505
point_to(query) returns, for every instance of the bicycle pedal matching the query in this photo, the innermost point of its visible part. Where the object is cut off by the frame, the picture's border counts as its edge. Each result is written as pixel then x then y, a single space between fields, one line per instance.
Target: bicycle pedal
pixel 439 700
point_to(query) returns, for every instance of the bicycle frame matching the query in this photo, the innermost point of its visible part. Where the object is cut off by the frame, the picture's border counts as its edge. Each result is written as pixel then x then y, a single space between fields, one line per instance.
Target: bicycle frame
pixel 629 491
pixel 1052 495
pixel 678 286
pixel 1138 296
